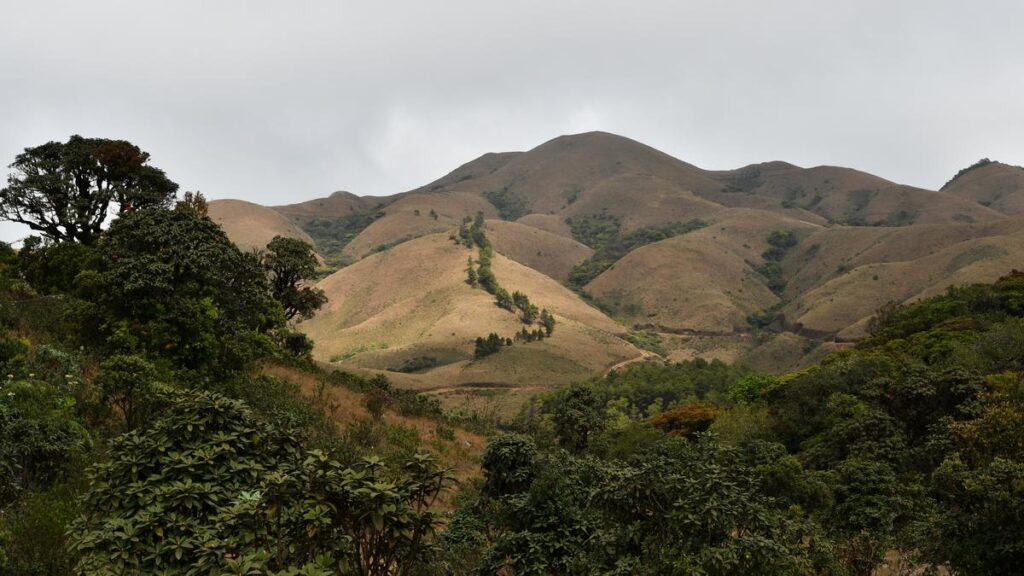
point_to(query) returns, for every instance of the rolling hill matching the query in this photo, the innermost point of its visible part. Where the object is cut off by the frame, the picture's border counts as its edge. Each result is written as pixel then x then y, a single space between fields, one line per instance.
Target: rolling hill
pixel 412 301
pixel 251 225
pixel 992 184
pixel 638 254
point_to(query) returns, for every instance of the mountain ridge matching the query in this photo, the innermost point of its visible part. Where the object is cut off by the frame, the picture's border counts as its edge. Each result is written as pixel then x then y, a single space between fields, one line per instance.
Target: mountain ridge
pixel 716 286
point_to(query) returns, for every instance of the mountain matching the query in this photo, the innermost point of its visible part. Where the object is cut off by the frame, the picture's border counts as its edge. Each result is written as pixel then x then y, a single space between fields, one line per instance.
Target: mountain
pixel 992 184
pixel 637 254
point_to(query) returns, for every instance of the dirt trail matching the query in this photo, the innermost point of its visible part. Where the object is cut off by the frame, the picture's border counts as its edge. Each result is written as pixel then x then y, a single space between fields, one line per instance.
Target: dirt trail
pixel 643 357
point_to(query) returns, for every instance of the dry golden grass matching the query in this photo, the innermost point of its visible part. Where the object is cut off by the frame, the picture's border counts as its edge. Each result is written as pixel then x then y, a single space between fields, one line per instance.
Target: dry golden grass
pixel 902 205
pixel 997 186
pixel 345 407
pixel 409 217
pixel 336 205
pixel 786 352
pixel 562 171
pixel 541 250
pixel 844 303
pixel 703 281
pixel 549 222
pixel 413 300
pixel 252 226
pixel 643 200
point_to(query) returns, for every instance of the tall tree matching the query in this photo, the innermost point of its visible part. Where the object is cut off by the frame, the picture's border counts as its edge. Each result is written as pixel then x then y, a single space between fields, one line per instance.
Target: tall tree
pixel 66 190
pixel 290 262
pixel 174 285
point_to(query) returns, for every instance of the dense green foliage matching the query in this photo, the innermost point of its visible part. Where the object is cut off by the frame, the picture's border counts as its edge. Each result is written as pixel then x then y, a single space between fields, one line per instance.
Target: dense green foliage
pixel 492 344
pixel 471 233
pixel 65 190
pixel 332 235
pixel 172 285
pixel 780 242
pixel 610 244
pixel 290 263
pixel 510 205
pixel 211 486
pixel 138 434
pixel 911 445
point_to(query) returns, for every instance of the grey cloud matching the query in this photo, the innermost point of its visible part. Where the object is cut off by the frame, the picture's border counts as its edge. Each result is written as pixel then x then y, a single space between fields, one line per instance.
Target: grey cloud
pixel 276 102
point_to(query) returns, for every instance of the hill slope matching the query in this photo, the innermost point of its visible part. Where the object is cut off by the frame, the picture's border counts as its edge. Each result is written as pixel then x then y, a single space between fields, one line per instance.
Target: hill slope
pixel 601 204
pixel 251 225
pixel 995 185
pixel 412 301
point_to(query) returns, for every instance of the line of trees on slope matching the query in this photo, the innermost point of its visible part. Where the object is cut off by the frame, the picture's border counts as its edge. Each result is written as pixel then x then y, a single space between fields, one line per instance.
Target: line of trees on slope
pixel 479 274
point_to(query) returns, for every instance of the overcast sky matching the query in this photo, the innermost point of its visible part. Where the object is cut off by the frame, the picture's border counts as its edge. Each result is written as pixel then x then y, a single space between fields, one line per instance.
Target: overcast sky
pixel 282 101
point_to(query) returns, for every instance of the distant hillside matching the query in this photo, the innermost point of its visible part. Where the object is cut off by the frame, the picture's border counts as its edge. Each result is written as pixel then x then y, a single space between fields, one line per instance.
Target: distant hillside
pixel 994 185
pixel 767 264
pixel 251 225
pixel 413 301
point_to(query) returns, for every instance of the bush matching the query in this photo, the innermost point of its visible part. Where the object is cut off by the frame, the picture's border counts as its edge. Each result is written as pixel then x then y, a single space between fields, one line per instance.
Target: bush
pixel 236 488
pixel 687 420
pixel 508 464
pixel 126 383
pixel 417 364
pixel 487 346
pixel 510 205
pixel 35 533
pixel 40 437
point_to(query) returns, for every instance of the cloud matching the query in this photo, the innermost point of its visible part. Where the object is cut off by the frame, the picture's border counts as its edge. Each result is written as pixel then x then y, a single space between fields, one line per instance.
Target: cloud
pixel 276 102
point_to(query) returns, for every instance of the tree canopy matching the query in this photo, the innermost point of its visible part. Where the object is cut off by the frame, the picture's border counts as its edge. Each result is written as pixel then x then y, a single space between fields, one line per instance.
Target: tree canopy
pixel 289 262
pixel 65 190
pixel 173 285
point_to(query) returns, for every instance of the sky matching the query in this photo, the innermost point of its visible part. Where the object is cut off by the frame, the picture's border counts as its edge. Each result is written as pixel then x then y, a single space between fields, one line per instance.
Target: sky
pixel 282 101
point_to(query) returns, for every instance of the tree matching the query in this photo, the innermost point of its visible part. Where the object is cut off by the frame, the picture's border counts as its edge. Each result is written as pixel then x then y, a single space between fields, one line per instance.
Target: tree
pixel 687 420
pixel 508 464
pixel 194 201
pixel 289 262
pixel 39 437
pixel 471 276
pixel 174 286
pixel 126 383
pixel 529 314
pixel 503 299
pixel 748 390
pixel 487 346
pixel 212 486
pixel 477 230
pixel 548 321
pixel 577 417
pixel 65 190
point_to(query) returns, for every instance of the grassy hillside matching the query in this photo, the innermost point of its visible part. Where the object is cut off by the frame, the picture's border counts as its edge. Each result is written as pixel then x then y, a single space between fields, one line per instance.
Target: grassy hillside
pixel 551 254
pixel 413 301
pixel 704 282
pixel 994 185
pixel 251 225
pixel 415 215
pixel 717 291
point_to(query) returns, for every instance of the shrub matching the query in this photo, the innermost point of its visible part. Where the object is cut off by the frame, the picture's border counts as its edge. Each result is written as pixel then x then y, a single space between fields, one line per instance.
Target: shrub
pixel 687 420
pixel 508 464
